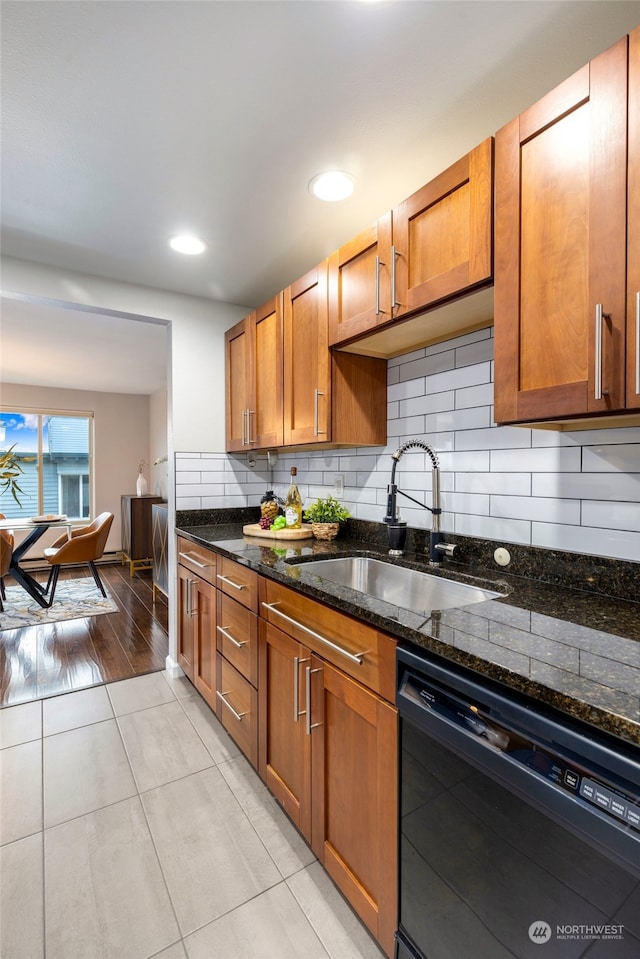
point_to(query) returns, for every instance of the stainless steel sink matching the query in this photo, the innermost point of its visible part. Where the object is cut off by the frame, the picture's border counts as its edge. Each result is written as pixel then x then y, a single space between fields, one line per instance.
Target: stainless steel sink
pixel 398 585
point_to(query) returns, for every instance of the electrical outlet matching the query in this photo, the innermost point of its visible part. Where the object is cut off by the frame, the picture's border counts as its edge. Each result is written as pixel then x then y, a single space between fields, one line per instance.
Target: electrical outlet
pixel 338 484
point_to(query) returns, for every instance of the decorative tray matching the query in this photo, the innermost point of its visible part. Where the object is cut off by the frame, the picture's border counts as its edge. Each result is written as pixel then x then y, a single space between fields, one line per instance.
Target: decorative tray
pixel 48 518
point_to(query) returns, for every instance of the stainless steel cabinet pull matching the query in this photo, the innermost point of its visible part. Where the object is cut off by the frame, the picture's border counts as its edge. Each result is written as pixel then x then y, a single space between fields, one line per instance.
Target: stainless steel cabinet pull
pixel 228 636
pixel 353 657
pixel 394 254
pixel 230 582
pixel 638 343
pixel 600 316
pixel 195 562
pixel 223 696
pixel 297 712
pixel 250 413
pixel 310 725
pixel 244 428
pixel 316 416
pixel 379 263
pixel 191 610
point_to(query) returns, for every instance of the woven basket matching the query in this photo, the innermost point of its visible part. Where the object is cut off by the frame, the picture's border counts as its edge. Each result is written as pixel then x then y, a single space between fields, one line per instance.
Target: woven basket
pixel 325 530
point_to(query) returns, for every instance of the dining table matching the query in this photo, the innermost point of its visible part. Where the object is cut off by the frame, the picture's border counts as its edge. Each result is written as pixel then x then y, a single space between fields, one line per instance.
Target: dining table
pixel 35 527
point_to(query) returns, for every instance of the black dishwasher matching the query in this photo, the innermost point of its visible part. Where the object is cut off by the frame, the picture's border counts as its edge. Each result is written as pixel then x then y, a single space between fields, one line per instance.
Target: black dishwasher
pixel 519 833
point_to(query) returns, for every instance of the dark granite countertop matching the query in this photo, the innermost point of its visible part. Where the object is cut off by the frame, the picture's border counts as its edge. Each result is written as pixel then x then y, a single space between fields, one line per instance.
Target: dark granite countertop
pixel 574 651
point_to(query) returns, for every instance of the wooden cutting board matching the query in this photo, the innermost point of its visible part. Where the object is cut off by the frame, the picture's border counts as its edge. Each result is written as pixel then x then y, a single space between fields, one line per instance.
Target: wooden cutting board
pixel 254 529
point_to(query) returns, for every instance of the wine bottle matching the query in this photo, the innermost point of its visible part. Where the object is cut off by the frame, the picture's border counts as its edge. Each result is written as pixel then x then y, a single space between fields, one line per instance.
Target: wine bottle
pixel 293 503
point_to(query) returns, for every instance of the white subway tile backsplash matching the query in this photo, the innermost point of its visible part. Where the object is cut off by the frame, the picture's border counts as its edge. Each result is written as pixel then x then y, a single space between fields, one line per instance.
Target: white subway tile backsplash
pixel 594 486
pixel 537 508
pixel 547 460
pixel 621 458
pixel 583 539
pixel 576 490
pixel 508 484
pixel 478 352
pixel 505 437
pixel 454 420
pixel 427 404
pixel 491 527
pixel 470 396
pixel 612 515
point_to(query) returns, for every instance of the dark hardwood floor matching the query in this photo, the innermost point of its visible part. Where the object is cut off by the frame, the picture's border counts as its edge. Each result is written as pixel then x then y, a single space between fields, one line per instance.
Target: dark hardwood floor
pixel 45 660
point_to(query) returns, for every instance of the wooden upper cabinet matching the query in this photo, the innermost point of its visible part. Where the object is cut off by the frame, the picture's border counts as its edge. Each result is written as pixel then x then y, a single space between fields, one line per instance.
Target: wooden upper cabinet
pixel 560 249
pixel 239 378
pixel 430 249
pixel 307 361
pixel 442 234
pixel 633 227
pixel 360 283
pixel 265 424
pixel 254 379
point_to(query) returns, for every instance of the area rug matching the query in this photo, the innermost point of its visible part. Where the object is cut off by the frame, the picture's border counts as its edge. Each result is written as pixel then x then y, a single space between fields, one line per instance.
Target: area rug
pixel 75 598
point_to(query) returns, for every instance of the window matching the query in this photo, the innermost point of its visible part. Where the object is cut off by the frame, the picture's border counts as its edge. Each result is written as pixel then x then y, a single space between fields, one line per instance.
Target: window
pixel 55 453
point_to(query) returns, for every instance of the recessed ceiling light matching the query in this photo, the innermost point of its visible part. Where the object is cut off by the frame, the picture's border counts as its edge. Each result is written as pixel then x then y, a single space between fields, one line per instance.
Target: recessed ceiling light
pixel 333 185
pixel 187 244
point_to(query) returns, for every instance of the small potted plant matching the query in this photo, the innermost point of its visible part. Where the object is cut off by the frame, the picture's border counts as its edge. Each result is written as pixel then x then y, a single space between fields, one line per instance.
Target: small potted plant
pixel 325 516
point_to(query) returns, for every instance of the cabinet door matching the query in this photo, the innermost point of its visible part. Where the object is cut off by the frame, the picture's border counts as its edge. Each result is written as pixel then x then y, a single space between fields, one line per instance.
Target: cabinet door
pixel 239 384
pixel 354 796
pixel 560 249
pixel 284 746
pixel 359 283
pixel 442 234
pixel 265 415
pixel 186 645
pixel 307 371
pixel 633 226
pixel 204 639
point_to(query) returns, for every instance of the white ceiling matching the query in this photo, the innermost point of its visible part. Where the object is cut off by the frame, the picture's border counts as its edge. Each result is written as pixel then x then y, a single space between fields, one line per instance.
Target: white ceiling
pixel 125 122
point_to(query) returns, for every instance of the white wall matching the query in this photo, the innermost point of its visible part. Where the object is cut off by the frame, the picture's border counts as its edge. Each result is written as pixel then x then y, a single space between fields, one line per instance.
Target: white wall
pixel 121 424
pixel 576 491
pixel 195 383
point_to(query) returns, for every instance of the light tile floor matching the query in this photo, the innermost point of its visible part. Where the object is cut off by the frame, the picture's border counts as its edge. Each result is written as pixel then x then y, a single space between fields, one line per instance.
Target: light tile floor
pixel 132 827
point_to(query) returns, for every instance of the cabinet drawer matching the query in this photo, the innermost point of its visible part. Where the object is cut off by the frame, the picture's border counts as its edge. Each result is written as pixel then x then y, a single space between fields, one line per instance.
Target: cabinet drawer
pixel 198 559
pixel 237 636
pixel 238 582
pixel 237 709
pixel 357 649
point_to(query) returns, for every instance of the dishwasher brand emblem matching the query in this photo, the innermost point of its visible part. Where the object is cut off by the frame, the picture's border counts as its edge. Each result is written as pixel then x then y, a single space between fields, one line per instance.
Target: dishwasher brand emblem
pixel 539 932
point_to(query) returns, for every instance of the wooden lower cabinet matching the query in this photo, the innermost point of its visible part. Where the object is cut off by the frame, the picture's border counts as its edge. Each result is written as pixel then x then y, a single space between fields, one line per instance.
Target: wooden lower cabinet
pixel 354 795
pixel 328 752
pixel 197 632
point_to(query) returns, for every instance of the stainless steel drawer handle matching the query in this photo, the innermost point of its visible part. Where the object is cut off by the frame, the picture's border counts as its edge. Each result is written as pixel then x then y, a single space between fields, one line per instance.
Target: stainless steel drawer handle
pixel 316 413
pixel 230 582
pixel 223 696
pixel 309 724
pixel 189 558
pixel 600 316
pixel 297 712
pixel 352 657
pixel 394 302
pixel 228 636
pixel 379 263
